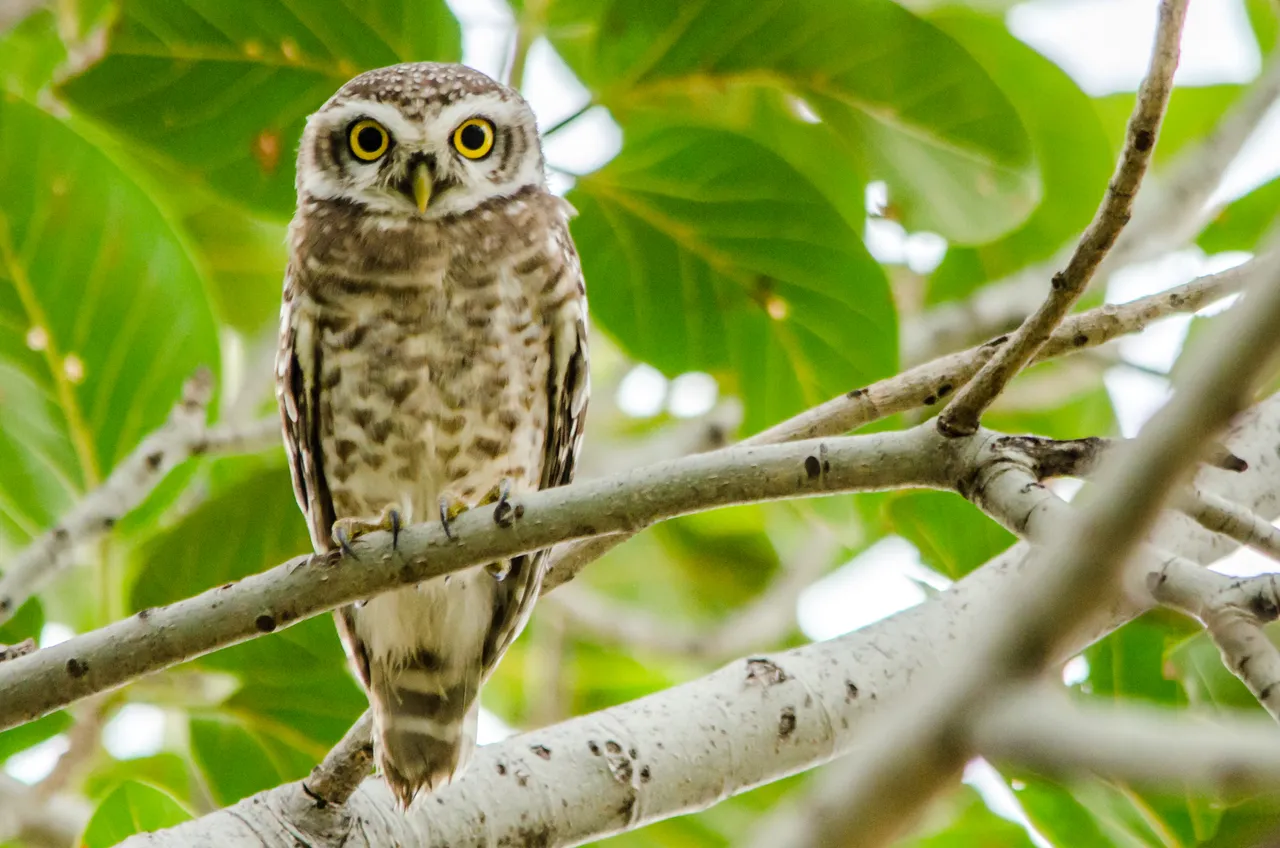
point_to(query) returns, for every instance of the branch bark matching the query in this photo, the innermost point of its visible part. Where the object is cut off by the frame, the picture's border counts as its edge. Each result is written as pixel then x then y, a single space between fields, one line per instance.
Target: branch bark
pixel 566 784
pixel 50 678
pixel 962 415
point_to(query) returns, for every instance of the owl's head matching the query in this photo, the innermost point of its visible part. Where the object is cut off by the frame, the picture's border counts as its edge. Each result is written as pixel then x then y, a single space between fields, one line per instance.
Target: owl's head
pixel 421 140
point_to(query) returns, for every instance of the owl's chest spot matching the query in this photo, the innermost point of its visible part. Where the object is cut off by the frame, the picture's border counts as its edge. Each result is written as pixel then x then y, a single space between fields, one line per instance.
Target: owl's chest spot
pixel 432 394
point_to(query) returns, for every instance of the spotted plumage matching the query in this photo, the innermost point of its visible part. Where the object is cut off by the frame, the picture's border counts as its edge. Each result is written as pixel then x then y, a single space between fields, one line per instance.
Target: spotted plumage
pixel 433 350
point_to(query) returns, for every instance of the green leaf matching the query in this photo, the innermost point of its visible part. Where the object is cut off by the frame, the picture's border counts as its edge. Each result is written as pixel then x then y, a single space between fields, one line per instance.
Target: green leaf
pixel 243 754
pixel 1070 144
pixel 225 92
pixel 1130 664
pixel 166 771
pixel 906 100
pixel 132 807
pixel 102 317
pixel 32 733
pixel 953 536
pixel 1244 223
pixel 26 623
pixel 705 251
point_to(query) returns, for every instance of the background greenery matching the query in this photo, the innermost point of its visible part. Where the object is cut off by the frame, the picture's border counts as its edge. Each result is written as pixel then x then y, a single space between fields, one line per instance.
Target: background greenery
pixel 146 175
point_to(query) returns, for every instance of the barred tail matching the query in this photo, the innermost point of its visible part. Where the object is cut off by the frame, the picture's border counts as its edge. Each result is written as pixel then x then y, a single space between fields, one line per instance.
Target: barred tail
pixel 424 723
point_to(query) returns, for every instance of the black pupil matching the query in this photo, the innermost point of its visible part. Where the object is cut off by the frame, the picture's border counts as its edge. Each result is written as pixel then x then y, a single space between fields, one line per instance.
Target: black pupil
pixel 472 137
pixel 368 139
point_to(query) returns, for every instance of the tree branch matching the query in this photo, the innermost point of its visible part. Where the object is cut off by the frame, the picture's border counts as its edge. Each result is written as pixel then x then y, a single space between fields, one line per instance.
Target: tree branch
pixel 925 384
pixel 306 586
pixel 183 435
pixel 566 784
pixel 962 415
pixel 1222 516
pixel 1233 612
pixel 1081 560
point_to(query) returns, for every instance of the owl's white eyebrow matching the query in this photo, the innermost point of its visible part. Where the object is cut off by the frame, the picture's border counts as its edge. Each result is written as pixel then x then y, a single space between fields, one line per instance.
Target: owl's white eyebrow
pixel 390 117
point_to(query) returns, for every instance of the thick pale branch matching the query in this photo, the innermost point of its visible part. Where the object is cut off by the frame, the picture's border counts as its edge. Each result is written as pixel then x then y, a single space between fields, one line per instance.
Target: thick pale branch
pixel 183 435
pixel 962 415
pixel 52 677
pixel 832 688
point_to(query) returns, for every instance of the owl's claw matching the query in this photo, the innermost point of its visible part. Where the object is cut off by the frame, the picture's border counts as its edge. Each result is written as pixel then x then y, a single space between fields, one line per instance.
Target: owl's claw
pixel 500 495
pixel 347 530
pixel 451 506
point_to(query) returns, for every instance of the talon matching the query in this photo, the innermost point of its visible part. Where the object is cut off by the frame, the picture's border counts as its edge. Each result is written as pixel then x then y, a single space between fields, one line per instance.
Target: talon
pixel 500 495
pixel 343 539
pixel 395 529
pixel 450 508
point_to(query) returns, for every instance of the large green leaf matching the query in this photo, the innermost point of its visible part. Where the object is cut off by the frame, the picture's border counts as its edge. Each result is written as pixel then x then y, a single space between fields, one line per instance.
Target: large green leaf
pixel 906 100
pixel 705 251
pixel 952 535
pixel 102 317
pixel 1070 144
pixel 29 53
pixel 224 88
pixel 132 807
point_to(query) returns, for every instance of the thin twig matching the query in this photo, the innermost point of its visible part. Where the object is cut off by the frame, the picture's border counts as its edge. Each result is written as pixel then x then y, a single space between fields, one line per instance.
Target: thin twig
pixel 926 384
pixel 183 435
pixel 962 415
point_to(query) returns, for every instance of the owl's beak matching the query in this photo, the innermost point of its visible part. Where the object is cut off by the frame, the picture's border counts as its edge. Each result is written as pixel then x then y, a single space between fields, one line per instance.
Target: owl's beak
pixel 421 180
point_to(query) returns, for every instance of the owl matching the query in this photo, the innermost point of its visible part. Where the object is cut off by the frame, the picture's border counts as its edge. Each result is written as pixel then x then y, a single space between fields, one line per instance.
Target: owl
pixel 433 357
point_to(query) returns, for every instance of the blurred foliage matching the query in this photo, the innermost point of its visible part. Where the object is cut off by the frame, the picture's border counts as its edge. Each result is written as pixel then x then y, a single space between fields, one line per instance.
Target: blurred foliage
pixel 146 175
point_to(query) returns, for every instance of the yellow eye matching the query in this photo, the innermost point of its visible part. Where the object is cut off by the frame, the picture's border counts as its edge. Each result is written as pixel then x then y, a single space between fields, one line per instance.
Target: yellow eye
pixel 368 140
pixel 474 138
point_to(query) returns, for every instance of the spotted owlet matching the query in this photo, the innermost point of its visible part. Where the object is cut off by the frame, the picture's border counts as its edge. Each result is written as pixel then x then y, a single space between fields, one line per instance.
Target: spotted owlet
pixel 433 357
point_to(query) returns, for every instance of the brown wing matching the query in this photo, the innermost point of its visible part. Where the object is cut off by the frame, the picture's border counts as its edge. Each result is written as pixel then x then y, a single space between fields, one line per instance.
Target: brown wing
pixel 568 390
pixel 298 392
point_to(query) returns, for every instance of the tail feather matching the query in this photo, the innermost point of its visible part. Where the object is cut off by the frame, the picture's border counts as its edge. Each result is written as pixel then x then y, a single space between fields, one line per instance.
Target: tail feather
pixel 424 724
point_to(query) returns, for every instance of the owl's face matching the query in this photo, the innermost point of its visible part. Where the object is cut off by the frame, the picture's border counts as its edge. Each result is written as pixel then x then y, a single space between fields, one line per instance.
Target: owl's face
pixel 421 140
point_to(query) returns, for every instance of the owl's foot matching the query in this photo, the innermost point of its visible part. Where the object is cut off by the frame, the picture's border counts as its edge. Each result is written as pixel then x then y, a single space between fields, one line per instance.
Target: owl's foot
pixel 451 506
pixel 500 495
pixel 347 530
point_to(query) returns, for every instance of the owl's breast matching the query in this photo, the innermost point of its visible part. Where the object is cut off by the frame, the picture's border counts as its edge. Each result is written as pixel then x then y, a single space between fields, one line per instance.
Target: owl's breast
pixel 432 389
